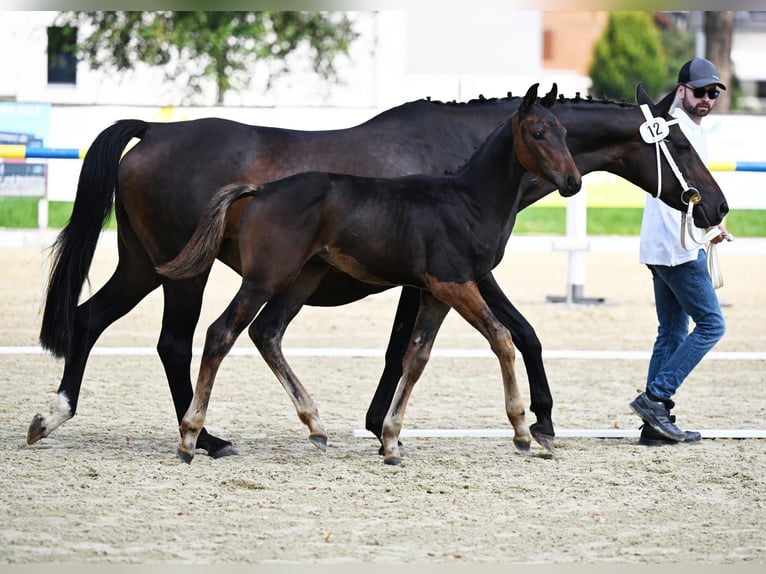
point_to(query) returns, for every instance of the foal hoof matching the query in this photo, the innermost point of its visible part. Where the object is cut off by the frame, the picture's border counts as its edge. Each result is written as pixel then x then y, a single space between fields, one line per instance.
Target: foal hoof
pixel 402 450
pixel 319 441
pixel 522 445
pixel 227 450
pixel 185 456
pixel 36 429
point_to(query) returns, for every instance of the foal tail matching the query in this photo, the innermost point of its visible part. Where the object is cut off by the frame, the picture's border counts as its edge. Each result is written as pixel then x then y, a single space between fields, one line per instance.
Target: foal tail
pixel 72 252
pixel 200 252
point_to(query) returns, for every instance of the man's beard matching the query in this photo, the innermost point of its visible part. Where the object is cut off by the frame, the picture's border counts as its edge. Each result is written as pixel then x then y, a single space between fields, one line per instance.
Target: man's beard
pixel 700 110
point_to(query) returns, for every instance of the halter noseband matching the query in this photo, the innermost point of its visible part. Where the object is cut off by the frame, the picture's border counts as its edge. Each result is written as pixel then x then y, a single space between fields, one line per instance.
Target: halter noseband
pixel 654 131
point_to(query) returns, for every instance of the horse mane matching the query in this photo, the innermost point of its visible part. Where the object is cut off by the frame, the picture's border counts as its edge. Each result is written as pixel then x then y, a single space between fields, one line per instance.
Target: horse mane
pixel 415 105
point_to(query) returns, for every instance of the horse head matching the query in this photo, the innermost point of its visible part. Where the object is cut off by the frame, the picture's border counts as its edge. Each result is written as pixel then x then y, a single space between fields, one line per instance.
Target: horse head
pixel 681 176
pixel 540 142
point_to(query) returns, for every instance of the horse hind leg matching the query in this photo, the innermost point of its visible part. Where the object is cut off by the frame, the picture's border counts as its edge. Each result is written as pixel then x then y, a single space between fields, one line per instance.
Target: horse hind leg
pixel 123 291
pixel 466 299
pixel 266 333
pixel 183 301
pixel 429 318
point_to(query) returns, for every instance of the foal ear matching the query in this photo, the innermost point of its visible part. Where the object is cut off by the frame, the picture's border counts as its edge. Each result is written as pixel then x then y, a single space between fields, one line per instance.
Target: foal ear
pixel 530 98
pixel 550 97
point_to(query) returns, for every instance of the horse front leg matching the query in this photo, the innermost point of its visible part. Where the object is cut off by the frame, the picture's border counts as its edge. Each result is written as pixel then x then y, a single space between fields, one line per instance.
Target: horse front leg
pixel 429 318
pixel 267 332
pixel 466 299
pixel 526 341
pixel 220 338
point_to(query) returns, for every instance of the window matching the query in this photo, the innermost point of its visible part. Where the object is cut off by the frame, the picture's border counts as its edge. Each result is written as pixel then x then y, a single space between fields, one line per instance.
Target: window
pixel 62 60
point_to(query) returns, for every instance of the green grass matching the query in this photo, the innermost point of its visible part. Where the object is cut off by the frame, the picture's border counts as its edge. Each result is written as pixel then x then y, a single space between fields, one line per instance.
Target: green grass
pixel 547 217
pixel 21 213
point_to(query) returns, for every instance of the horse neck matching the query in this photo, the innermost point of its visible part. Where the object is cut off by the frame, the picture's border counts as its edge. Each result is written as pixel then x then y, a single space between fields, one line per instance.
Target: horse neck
pixel 459 126
pixel 600 134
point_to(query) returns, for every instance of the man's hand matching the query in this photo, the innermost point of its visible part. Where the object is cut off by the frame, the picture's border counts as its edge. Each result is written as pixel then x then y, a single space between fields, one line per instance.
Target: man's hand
pixel 723 235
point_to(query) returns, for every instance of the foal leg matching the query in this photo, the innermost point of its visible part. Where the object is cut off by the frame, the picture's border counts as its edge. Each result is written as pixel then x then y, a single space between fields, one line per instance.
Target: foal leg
pixel 466 299
pixel 267 331
pixel 528 344
pixel 429 318
pixel 404 323
pixel 219 340
pixel 183 301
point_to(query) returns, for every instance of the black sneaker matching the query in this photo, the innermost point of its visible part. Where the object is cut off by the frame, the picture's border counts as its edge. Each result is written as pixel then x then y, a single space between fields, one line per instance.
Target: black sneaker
pixel 650 437
pixel 656 415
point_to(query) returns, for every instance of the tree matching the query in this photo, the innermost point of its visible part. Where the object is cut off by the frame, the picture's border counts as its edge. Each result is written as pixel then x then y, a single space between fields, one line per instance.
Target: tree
pixel 218 46
pixel 677 44
pixel 627 53
pixel 718 38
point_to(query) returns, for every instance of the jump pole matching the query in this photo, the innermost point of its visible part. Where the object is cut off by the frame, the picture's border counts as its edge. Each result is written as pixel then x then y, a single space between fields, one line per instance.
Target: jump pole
pixel 560 433
pixel 576 245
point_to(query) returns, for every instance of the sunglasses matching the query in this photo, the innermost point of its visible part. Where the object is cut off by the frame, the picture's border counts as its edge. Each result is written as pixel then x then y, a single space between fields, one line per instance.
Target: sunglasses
pixel 699 93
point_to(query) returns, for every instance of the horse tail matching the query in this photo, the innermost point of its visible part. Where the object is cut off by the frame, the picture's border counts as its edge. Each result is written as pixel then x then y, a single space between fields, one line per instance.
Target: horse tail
pixel 200 252
pixel 72 252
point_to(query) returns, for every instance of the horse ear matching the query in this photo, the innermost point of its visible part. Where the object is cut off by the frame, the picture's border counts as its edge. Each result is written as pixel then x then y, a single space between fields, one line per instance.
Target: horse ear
pixel 663 106
pixel 642 97
pixel 550 97
pixel 530 98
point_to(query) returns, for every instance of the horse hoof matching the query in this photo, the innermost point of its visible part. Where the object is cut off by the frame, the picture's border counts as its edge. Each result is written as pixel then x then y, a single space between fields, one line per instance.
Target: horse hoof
pixel 185 456
pixel 227 450
pixel 545 440
pixel 392 460
pixel 319 441
pixel 36 429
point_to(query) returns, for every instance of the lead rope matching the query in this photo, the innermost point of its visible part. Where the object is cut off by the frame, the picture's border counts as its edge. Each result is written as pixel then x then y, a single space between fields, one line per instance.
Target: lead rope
pixel 655 130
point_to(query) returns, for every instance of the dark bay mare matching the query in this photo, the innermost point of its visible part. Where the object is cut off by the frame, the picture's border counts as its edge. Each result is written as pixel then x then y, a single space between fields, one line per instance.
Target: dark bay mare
pixel 161 187
pixel 440 235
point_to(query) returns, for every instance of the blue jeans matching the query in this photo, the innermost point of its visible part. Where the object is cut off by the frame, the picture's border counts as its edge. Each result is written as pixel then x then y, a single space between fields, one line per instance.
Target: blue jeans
pixel 681 292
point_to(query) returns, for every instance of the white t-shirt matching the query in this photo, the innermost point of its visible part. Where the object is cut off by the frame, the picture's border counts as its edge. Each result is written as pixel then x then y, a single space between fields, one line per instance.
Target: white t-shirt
pixel 660 242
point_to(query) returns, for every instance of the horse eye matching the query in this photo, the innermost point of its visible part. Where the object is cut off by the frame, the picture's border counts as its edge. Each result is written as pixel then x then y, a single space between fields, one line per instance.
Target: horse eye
pixel 538 135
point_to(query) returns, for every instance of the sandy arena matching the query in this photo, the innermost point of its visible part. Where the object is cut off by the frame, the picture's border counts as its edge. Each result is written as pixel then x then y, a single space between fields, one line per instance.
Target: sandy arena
pixel 107 486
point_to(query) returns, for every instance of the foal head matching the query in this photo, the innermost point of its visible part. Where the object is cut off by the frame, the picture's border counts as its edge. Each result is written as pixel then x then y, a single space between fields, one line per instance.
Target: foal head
pixel 540 142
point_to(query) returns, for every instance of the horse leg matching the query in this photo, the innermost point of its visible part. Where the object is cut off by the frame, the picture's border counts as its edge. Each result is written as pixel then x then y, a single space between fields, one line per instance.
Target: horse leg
pixel 528 344
pixel 267 331
pixel 466 299
pixel 429 318
pixel 404 323
pixel 123 291
pixel 219 340
pixel 183 302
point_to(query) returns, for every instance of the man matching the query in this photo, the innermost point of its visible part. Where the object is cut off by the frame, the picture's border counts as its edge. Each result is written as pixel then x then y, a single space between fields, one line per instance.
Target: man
pixel 682 285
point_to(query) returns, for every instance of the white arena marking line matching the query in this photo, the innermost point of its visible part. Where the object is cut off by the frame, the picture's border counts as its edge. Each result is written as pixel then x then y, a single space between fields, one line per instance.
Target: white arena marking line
pixel 372 352
pixel 560 433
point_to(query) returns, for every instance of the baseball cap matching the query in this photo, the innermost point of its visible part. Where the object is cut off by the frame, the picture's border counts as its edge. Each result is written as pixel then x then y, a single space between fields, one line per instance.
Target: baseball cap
pixel 699 73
